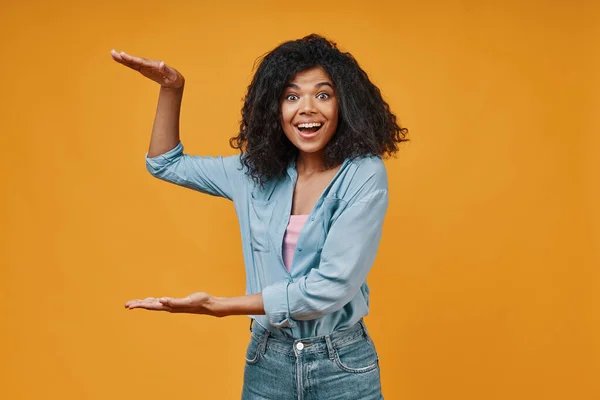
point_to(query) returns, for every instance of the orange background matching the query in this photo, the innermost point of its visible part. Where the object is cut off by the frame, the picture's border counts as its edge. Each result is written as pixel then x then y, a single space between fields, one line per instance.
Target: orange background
pixel 487 282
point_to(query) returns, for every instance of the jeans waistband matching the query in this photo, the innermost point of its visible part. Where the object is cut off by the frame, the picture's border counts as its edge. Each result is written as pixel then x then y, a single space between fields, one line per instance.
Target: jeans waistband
pixel 317 344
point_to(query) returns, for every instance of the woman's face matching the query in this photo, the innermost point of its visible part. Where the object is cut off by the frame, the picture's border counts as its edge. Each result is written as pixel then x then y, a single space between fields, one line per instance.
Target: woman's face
pixel 309 110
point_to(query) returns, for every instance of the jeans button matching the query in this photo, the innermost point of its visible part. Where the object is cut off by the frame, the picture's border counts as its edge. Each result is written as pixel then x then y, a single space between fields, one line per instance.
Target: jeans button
pixel 299 346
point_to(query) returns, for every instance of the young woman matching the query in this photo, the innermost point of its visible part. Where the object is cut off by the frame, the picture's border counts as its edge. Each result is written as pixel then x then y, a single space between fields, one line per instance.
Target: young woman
pixel 310 191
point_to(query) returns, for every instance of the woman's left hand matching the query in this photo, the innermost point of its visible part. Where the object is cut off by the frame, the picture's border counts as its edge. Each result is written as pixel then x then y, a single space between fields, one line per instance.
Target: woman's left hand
pixel 196 303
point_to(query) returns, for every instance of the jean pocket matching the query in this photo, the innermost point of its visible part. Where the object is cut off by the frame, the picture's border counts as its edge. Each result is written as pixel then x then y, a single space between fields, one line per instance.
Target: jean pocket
pixel 253 350
pixel 357 357
pixel 261 212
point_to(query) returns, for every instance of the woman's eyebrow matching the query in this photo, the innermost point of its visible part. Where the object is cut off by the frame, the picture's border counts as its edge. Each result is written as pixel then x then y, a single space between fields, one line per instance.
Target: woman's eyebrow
pixel 318 85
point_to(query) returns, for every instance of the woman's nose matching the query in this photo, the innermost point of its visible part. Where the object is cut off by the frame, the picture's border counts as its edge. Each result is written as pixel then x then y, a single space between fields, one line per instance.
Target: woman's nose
pixel 308 106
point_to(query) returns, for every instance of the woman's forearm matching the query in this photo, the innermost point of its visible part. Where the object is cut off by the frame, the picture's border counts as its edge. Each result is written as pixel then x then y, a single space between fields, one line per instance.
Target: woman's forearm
pixel 165 131
pixel 242 305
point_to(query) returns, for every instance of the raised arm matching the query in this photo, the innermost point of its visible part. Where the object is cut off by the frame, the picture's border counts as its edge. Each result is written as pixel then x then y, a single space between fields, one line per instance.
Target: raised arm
pixel 165 131
pixel 217 176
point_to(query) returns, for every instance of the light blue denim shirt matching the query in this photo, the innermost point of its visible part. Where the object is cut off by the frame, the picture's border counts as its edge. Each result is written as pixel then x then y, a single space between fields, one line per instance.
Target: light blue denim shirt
pixel 325 289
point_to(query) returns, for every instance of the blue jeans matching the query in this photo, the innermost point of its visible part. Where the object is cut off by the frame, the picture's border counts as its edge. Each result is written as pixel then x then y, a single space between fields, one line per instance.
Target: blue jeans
pixel 343 365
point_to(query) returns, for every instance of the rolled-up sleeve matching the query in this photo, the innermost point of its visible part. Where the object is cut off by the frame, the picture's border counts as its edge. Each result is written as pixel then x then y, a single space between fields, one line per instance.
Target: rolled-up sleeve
pixel 347 257
pixel 217 176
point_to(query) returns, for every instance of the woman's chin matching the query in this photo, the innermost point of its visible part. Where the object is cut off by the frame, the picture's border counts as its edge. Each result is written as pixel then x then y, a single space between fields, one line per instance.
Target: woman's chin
pixel 310 148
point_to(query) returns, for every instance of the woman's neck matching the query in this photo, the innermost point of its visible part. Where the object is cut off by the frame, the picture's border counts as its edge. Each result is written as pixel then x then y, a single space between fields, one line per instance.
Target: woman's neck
pixel 309 163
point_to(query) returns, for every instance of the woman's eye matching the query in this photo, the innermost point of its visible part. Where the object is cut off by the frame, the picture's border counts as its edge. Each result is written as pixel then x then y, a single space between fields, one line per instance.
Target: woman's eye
pixel 291 97
pixel 323 96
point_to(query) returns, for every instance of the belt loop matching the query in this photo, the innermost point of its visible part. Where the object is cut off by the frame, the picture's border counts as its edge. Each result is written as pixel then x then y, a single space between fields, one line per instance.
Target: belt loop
pixel 330 348
pixel 263 344
pixel 251 323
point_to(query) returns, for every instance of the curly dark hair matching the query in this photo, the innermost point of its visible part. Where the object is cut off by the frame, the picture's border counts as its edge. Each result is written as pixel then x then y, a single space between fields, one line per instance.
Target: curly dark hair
pixel 366 126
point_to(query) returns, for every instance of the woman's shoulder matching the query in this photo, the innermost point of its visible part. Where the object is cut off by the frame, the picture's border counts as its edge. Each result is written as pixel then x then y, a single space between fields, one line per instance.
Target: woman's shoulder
pixel 364 177
pixel 369 168
pixel 369 164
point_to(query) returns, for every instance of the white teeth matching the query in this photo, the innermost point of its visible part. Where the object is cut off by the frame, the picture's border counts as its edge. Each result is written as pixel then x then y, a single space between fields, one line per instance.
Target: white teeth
pixel 310 125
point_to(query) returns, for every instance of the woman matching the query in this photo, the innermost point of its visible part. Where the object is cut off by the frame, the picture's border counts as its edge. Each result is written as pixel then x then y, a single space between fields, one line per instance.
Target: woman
pixel 310 192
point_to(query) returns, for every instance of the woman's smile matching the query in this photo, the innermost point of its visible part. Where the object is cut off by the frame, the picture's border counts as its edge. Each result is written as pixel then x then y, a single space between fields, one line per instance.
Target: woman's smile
pixel 309 130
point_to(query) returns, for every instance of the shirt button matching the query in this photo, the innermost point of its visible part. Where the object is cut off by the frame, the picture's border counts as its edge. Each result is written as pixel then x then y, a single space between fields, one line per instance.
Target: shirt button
pixel 312 219
pixel 299 346
pixel 300 249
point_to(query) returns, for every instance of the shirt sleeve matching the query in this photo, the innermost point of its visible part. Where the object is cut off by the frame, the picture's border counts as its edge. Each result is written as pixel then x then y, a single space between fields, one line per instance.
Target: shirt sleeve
pixel 217 176
pixel 347 257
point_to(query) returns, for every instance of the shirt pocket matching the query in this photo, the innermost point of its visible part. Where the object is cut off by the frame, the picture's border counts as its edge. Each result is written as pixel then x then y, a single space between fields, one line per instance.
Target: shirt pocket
pixel 261 212
pixel 332 207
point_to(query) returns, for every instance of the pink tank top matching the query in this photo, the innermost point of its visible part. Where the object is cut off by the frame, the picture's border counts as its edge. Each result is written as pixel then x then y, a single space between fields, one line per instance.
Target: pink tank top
pixel 291 238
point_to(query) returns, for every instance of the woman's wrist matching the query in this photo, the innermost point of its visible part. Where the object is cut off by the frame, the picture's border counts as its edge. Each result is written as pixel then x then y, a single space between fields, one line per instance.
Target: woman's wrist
pixel 242 305
pixel 177 91
pixel 215 307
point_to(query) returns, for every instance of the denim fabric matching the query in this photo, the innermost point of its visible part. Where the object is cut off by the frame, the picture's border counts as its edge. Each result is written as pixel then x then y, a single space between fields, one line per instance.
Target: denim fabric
pixel 343 365
pixel 325 289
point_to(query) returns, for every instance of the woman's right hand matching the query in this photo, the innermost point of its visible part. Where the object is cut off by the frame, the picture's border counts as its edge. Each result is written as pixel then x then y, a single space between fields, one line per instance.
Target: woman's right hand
pixel 158 71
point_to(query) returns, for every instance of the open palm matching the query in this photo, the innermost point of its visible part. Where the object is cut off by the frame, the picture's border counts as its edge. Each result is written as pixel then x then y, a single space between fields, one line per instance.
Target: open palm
pixel 155 70
pixel 195 303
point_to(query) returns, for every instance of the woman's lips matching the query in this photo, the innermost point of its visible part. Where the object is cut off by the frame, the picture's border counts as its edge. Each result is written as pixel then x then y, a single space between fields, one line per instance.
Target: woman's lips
pixel 308 135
